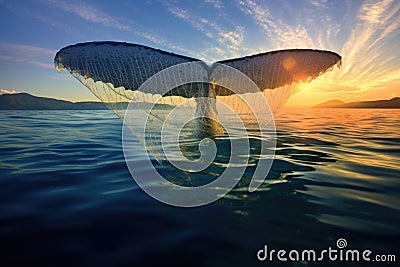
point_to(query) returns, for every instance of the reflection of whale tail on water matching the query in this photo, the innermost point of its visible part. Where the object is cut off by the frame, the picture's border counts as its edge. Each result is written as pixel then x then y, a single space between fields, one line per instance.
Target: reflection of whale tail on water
pixel 115 71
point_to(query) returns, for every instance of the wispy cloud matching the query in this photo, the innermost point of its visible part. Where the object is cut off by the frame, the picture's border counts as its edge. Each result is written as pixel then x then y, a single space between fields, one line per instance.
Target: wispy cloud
pixel 366 65
pixel 282 34
pixel 370 61
pixel 373 12
pixel 318 3
pixel 223 42
pixel 27 54
pixel 217 4
pixel 90 13
pixel 98 16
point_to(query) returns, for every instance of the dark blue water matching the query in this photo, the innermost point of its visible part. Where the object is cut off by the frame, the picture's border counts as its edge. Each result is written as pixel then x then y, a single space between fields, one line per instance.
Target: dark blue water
pixel 67 197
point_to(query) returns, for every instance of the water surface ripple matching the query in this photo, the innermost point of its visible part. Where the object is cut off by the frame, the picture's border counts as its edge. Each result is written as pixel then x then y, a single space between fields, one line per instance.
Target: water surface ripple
pixel 67 197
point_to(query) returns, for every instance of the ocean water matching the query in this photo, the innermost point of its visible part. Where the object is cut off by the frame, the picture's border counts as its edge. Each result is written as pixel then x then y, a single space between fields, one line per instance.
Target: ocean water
pixel 67 197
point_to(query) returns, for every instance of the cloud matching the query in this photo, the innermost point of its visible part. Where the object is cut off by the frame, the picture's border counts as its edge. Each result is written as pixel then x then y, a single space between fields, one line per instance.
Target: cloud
pixel 370 62
pixel 282 34
pixel 27 54
pixel 95 15
pixel 373 12
pixel 9 92
pixel 318 3
pixel 90 13
pixel 217 4
pixel 223 42
pixel 366 64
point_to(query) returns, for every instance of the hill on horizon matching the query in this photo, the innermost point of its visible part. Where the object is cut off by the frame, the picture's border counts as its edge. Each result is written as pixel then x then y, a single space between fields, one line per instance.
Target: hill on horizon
pixel 31 102
pixel 330 104
pixel 390 103
pixel 25 101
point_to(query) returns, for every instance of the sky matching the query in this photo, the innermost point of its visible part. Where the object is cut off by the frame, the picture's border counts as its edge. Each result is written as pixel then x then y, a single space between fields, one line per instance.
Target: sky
pixel 365 33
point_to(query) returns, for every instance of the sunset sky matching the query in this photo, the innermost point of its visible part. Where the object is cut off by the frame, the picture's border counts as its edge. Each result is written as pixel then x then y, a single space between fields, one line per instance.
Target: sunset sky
pixel 365 33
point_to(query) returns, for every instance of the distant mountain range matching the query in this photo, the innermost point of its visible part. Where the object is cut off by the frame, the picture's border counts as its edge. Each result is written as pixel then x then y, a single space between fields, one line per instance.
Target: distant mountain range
pixel 391 103
pixel 30 102
pixel 27 101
